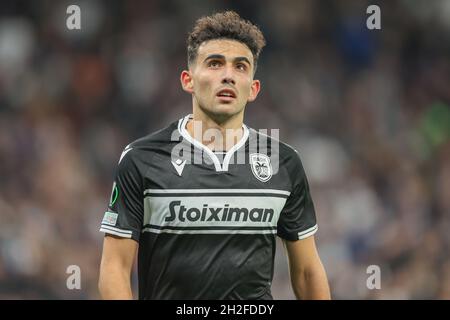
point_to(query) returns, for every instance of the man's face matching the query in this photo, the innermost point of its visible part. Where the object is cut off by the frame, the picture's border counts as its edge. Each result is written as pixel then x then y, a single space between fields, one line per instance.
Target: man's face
pixel 221 78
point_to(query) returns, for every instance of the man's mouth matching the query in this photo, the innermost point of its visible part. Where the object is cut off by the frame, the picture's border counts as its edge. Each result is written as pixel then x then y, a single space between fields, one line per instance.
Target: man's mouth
pixel 226 94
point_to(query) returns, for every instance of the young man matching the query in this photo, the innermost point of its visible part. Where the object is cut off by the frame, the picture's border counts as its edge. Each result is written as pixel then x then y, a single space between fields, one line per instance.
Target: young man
pixel 203 198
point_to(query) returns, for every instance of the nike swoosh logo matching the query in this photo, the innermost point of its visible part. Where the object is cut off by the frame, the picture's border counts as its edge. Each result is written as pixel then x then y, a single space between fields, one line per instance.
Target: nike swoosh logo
pixel 179 166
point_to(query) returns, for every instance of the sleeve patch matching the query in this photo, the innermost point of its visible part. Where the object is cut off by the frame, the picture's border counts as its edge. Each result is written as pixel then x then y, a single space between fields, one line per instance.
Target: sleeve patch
pixel 110 218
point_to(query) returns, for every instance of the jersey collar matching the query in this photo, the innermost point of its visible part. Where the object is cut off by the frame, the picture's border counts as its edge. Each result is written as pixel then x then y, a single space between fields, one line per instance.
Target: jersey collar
pixel 229 154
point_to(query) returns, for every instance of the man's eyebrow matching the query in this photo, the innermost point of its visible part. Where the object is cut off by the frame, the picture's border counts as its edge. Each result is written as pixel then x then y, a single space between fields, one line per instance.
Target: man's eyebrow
pixel 222 57
pixel 215 56
pixel 237 59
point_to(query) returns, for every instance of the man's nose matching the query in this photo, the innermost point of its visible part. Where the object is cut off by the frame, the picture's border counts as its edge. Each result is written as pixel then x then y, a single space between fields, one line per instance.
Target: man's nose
pixel 228 77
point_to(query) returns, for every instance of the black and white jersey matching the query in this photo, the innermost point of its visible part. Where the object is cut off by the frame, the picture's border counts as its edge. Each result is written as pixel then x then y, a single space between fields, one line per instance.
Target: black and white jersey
pixel 206 223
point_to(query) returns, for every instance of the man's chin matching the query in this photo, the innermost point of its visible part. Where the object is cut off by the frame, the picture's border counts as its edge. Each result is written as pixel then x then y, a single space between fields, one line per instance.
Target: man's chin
pixel 222 112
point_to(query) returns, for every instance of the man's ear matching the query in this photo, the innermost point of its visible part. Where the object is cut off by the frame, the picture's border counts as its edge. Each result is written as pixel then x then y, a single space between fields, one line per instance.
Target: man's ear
pixel 186 81
pixel 254 90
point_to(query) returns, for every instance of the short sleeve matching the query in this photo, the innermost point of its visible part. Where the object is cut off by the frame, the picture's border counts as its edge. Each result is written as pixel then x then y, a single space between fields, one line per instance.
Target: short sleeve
pixel 298 218
pixel 125 210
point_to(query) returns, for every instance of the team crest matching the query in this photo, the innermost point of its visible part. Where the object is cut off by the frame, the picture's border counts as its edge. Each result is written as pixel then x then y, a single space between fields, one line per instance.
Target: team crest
pixel 261 166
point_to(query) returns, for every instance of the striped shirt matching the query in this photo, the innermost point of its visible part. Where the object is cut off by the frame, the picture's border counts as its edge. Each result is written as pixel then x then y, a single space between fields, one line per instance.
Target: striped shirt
pixel 207 222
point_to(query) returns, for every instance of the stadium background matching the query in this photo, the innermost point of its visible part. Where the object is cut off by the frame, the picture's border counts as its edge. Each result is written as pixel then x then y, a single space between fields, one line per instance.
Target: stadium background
pixel 369 112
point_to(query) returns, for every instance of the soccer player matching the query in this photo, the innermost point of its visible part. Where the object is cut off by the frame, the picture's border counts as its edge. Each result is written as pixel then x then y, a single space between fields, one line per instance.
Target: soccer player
pixel 203 199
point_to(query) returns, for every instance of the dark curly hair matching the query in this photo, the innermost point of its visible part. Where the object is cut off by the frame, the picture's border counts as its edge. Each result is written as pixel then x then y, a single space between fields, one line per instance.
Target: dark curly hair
pixel 225 25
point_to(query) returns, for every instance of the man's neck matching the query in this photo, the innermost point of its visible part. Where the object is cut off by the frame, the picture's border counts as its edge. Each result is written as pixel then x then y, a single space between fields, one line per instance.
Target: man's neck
pixel 216 136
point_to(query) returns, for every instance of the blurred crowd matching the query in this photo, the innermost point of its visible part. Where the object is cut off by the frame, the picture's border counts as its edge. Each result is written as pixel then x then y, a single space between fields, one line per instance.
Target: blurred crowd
pixel 368 110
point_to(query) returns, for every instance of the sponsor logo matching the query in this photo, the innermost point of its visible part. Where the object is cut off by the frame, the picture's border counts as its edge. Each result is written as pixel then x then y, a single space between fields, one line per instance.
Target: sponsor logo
pixel 179 212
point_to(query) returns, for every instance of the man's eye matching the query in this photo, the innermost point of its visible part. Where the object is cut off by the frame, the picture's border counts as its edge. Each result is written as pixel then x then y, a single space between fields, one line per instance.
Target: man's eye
pixel 241 66
pixel 214 64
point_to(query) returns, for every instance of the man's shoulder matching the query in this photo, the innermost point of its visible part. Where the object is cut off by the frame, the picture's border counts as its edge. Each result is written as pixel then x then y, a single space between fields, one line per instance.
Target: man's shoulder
pixel 156 139
pixel 146 146
pixel 287 156
pixel 274 143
